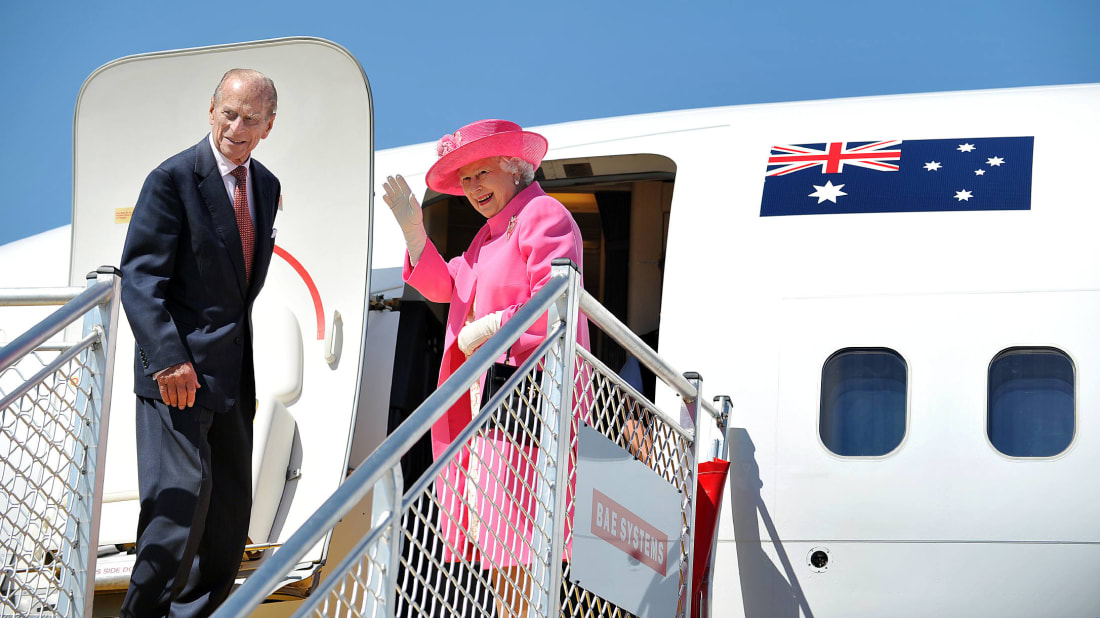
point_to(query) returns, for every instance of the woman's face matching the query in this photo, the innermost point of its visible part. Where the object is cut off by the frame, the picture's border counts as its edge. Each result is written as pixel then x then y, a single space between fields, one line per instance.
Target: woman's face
pixel 488 187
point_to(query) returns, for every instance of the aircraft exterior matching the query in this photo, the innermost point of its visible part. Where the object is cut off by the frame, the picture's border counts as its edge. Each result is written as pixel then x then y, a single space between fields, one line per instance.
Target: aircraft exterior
pixel 944 522
pixel 965 323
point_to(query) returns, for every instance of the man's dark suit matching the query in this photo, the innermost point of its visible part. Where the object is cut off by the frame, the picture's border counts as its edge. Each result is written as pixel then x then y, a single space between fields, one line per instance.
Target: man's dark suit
pixel 185 296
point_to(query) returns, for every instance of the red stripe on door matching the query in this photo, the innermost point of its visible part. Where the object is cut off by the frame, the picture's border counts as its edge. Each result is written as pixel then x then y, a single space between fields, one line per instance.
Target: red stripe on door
pixel 304 274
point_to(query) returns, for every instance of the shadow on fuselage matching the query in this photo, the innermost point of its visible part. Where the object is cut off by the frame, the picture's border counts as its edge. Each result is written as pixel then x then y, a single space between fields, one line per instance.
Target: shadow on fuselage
pixel 765 590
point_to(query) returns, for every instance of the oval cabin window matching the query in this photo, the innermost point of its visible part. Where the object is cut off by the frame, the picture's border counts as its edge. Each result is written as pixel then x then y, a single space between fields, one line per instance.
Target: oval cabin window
pixel 1030 405
pixel 863 402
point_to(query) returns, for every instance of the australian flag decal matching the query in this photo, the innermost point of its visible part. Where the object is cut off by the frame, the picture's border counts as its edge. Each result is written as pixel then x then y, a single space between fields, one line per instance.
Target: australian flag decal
pixel 985 173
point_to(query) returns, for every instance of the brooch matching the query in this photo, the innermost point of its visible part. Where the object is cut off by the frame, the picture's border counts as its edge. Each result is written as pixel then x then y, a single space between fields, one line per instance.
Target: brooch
pixel 511 226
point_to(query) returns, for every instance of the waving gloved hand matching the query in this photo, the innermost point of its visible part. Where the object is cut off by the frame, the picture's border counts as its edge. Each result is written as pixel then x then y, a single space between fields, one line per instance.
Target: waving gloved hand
pixel 478 332
pixel 407 211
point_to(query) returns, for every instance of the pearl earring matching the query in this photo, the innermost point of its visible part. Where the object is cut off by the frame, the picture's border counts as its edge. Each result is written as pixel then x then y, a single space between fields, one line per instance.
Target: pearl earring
pixel 516 181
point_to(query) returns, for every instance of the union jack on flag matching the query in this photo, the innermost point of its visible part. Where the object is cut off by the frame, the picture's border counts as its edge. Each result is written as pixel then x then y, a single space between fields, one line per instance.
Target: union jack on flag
pixel 834 157
pixel 924 175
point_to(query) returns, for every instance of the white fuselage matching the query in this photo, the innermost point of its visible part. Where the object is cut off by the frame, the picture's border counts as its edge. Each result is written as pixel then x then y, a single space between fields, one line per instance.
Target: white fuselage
pixel 943 524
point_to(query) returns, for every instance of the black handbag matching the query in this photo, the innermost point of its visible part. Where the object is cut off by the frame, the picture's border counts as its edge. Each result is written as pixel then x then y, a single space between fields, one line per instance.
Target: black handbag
pixel 495 378
pixel 517 414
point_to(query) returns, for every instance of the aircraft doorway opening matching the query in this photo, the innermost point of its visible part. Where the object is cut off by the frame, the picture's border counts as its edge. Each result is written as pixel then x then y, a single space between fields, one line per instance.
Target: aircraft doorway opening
pixel 621 204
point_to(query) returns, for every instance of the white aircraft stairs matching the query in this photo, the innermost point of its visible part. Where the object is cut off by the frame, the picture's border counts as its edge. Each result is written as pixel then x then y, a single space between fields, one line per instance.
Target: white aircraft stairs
pixel 406 564
pixel 517 458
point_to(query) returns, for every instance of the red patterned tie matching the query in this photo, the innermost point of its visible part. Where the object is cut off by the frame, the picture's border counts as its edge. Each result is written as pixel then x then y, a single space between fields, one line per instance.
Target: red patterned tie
pixel 244 220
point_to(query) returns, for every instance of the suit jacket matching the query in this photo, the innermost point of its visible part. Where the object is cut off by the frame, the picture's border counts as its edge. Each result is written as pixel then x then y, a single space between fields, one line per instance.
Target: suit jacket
pixel 183 277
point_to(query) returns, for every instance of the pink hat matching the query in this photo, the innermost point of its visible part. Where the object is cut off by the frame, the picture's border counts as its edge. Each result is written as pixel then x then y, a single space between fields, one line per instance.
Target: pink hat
pixel 479 140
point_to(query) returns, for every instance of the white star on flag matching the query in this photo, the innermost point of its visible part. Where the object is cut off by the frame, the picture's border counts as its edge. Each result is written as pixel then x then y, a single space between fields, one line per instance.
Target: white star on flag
pixel 963 195
pixel 828 192
pixel 979 172
pixel 994 161
pixel 965 147
pixel 932 166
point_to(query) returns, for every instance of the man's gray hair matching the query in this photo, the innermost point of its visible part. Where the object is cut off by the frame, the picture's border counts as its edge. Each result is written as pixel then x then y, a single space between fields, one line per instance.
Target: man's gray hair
pixel 516 165
pixel 271 96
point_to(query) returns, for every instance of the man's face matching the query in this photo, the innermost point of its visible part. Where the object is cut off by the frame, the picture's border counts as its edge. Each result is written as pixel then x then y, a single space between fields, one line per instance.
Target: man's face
pixel 239 119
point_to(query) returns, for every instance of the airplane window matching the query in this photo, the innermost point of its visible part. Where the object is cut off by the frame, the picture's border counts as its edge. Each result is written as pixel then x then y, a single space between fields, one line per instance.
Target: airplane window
pixel 1030 403
pixel 863 402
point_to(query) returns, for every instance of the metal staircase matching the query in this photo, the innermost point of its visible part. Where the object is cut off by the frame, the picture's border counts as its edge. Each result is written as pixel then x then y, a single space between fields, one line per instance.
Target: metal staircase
pixel 487 530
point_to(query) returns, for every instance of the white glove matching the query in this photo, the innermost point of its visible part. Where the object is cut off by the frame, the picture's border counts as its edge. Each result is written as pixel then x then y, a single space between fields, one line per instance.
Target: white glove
pixel 407 211
pixel 478 332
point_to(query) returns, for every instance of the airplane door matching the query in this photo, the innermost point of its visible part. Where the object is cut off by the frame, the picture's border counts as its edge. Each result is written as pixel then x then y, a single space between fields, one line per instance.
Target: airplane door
pixel 309 321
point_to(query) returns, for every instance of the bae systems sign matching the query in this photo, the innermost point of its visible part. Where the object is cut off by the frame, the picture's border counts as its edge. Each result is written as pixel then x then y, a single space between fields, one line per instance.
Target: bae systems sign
pixel 626 539
pixel 630 533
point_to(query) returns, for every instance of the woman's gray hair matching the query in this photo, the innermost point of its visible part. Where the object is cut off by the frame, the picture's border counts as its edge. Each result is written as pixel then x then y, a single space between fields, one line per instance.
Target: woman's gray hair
pixel 516 165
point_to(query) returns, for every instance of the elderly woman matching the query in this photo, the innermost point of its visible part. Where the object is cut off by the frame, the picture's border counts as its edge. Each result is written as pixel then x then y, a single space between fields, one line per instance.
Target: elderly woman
pixel 492 163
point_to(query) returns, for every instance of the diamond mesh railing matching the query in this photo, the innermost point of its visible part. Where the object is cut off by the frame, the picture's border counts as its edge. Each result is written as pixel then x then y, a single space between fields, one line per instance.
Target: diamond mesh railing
pixel 54 402
pixel 485 522
pixel 606 403
pixel 487 529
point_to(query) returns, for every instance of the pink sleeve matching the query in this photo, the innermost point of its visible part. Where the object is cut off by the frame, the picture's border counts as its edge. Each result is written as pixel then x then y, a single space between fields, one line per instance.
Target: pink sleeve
pixel 547 232
pixel 431 276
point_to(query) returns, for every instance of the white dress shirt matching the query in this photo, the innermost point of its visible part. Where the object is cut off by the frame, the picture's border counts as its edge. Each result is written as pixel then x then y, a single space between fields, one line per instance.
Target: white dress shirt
pixel 225 168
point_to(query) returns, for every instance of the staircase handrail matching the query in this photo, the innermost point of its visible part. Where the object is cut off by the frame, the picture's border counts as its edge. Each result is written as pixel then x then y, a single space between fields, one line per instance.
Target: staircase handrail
pixel 388 454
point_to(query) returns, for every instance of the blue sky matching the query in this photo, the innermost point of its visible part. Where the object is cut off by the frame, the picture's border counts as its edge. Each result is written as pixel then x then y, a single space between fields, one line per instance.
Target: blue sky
pixel 434 66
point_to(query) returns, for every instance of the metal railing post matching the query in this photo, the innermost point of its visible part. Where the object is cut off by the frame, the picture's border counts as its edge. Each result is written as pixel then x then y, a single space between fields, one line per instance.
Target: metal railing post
pixel 395 490
pixel 691 408
pixel 103 319
pixel 545 517
pixel 721 446
pixel 568 307
pixel 725 406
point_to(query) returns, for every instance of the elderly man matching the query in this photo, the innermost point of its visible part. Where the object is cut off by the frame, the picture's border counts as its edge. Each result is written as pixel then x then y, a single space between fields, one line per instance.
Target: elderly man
pixel 196 255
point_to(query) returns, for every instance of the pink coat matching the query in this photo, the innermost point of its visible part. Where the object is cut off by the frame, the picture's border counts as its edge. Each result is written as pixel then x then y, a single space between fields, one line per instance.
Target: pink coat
pixel 506 264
